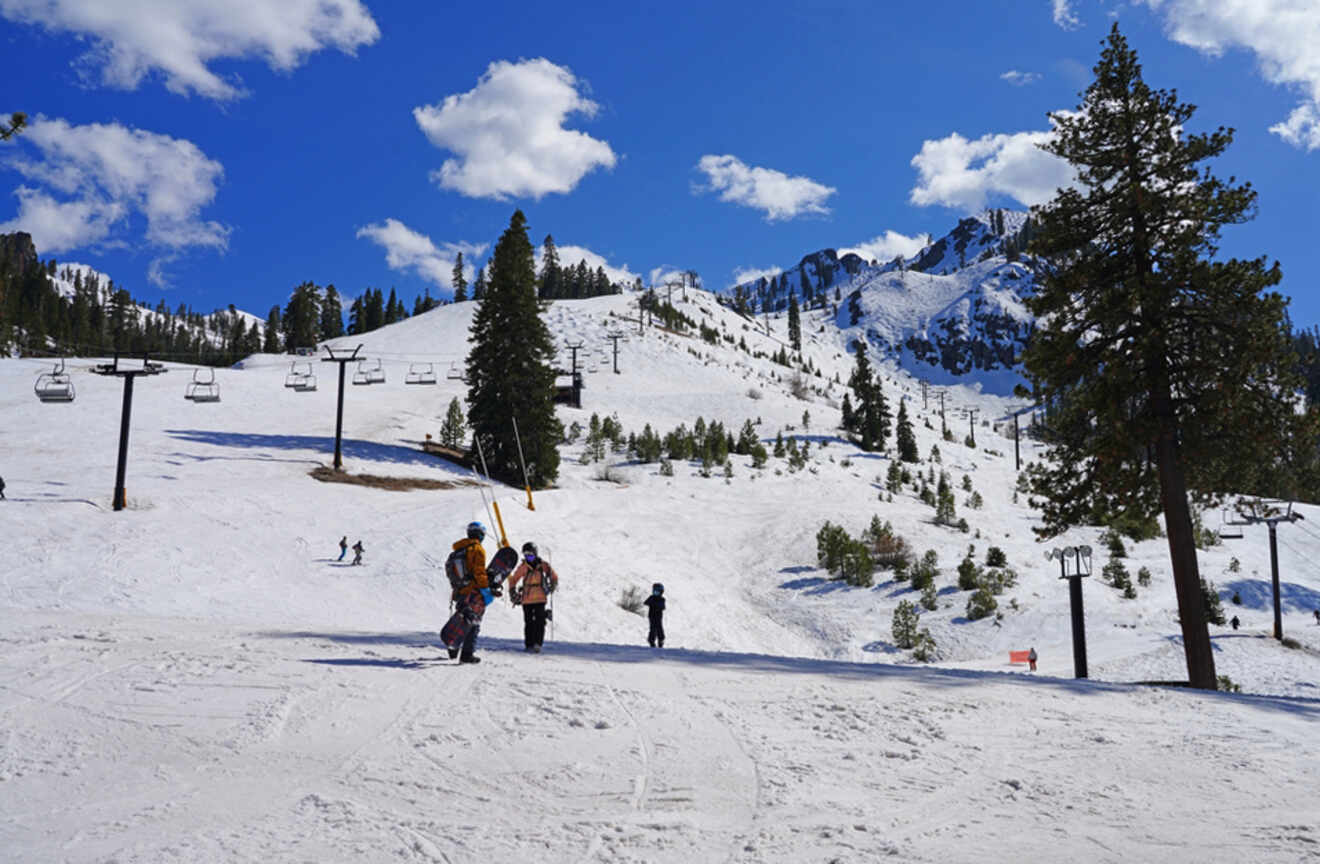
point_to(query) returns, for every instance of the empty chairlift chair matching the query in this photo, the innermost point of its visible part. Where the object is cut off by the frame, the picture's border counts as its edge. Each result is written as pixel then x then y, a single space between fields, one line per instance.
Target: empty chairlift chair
pixel 376 374
pixel 360 376
pixel 55 385
pixel 203 388
pixel 300 380
pixel 420 373
pixel 294 377
pixel 455 372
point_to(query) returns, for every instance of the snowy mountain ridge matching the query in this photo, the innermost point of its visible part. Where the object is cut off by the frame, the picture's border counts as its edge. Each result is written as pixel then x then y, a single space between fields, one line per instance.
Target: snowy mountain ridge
pixel 954 311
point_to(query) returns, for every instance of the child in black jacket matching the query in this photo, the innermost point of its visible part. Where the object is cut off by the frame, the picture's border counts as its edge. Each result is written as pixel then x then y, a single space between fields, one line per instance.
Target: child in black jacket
pixel 655 606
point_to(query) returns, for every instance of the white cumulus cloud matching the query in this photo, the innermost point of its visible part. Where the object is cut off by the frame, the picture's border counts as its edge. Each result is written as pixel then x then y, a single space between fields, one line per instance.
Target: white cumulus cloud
pixel 508 133
pixel 1020 79
pixel 569 256
pixel 961 173
pixel 88 183
pixel 409 250
pixel 1283 34
pixel 776 193
pixel 179 38
pixel 1064 15
pixel 751 274
pixel 888 246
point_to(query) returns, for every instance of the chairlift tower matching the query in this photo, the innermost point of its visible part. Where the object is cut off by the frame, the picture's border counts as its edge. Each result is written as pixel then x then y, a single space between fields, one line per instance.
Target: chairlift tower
pixel 615 337
pixel 343 360
pixel 147 368
pixel 1271 513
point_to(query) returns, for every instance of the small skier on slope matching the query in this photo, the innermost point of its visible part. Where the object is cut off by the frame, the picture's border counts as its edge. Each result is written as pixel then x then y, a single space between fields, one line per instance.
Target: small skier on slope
pixel 1031 658
pixel 357 552
pixel 539 581
pixel 655 611
pixel 343 547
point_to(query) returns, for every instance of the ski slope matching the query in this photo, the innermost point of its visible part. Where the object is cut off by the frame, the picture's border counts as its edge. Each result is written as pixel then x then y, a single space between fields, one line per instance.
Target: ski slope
pixel 197 678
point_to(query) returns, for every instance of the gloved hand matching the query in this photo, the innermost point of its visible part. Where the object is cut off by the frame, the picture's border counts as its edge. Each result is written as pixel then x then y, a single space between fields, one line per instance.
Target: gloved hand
pixel 497 591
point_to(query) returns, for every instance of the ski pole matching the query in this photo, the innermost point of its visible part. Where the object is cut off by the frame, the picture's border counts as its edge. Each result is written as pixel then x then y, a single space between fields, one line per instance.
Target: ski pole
pixel 504 541
pixel 526 483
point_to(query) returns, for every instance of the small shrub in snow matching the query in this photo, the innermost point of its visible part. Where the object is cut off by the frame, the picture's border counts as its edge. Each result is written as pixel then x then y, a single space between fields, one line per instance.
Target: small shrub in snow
pixel 1226 685
pixel 995 557
pixel 926 570
pixel 923 647
pixel 935 453
pixel 574 432
pixel 966 483
pixel 857 566
pixel 975 501
pixel 759 456
pixel 753 393
pixel 666 468
pixel 904 627
pixel 1114 541
pixel 969 575
pixel 981 604
pixel 929 597
pixel 888 549
pixel 831 544
pixel 962 525
pixel 1214 609
pixel 1143 577
pixel 1115 574
pixel 607 473
pixel 969 441
pixel 1234 565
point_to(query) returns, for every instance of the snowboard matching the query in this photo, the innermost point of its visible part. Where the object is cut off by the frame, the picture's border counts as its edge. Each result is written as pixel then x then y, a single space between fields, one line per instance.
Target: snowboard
pixel 473 605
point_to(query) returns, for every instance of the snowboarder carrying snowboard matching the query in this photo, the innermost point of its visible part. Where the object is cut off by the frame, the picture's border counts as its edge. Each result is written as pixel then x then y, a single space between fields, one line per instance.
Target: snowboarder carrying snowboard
pixel 357 552
pixel 539 581
pixel 469 602
pixel 343 547
pixel 655 611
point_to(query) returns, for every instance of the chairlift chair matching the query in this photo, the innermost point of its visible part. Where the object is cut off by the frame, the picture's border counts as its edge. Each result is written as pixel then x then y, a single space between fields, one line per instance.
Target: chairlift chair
pixel 291 380
pixel 202 389
pixel 376 374
pixel 360 375
pixel 1230 528
pixel 420 373
pixel 55 385
pixel 455 373
pixel 306 384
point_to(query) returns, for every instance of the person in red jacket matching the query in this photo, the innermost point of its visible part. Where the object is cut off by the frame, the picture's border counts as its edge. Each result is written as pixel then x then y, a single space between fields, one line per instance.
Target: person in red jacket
pixel 539 581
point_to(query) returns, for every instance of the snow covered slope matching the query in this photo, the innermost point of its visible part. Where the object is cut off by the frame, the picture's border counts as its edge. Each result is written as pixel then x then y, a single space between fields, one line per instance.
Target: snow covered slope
pixel 197 678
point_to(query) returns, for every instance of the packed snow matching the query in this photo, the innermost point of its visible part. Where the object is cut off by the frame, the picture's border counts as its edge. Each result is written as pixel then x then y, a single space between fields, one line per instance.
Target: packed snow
pixel 198 678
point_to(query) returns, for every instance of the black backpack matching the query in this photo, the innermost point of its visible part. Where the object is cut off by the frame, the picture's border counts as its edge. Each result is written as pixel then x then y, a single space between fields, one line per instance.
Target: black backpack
pixel 456 569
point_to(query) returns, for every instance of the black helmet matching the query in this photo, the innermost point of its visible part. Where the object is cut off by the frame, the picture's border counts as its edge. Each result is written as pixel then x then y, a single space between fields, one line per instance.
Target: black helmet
pixel 476 530
pixel 529 548
pixel 657 588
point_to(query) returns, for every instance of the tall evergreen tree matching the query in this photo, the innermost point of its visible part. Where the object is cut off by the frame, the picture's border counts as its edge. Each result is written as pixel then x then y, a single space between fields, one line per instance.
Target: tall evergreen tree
pixel 272 342
pixel 479 286
pixel 302 316
pixel 1168 372
pixel 459 280
pixel 794 322
pixel 551 285
pixel 907 439
pixel 332 314
pixel 870 415
pixel 511 366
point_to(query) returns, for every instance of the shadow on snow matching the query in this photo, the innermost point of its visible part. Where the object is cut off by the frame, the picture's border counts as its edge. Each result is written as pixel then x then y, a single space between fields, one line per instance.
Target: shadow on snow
pixel 353 448
pixel 744 662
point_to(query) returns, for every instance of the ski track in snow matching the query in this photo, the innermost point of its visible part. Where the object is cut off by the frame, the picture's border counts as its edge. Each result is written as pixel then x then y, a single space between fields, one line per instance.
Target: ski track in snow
pixel 198 678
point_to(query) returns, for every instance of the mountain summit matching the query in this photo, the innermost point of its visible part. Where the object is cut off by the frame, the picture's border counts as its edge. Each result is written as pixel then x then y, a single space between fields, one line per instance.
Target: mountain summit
pixel 953 312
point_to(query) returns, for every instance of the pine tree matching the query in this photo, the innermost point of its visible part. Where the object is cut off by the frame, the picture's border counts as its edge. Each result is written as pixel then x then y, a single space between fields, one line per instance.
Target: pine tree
pixel 1167 371
pixel 272 343
pixel 459 280
pixel 454 427
pixel 794 322
pixel 907 439
pixel 551 284
pixel 332 314
pixel 479 287
pixel 510 366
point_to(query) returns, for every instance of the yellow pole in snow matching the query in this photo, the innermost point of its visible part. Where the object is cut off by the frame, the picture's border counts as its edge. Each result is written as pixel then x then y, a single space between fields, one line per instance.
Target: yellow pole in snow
pixel 504 540
pixel 527 484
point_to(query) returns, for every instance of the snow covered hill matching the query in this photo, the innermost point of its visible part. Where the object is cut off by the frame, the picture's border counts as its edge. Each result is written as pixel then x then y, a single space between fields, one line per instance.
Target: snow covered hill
pixel 953 312
pixel 197 678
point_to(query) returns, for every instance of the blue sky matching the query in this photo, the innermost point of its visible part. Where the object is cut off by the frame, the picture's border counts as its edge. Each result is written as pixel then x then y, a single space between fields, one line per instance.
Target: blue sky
pixel 218 151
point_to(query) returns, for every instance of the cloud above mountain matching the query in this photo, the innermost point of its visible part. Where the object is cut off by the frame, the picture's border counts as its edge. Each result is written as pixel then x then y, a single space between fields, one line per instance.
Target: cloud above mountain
pixel 773 192
pixel 508 133
pixel 886 246
pixel 407 250
pixel 103 183
pixel 965 174
pixel 130 39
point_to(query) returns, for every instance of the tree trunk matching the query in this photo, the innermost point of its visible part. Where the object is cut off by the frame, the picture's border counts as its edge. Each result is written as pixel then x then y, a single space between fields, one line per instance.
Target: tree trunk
pixel 1182 555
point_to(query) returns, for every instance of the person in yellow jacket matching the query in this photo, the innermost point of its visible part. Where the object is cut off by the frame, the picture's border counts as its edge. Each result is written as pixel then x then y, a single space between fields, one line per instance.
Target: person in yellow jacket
pixel 469 599
pixel 538 581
